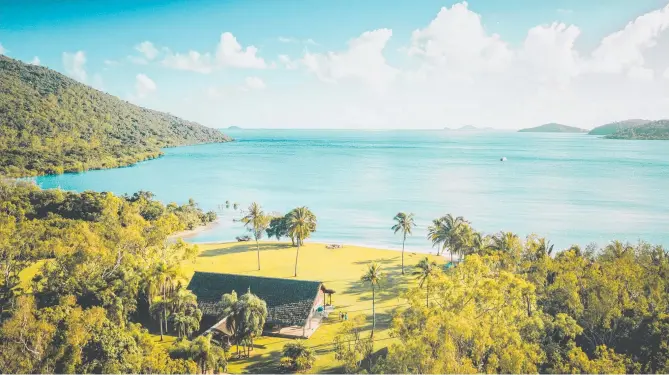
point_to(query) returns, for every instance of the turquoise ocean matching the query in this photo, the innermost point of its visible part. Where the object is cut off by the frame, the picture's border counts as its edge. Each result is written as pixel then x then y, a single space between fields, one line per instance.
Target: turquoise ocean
pixel 570 188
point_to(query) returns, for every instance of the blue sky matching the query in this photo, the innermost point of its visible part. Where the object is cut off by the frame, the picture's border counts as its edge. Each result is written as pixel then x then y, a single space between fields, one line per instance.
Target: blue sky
pixel 359 64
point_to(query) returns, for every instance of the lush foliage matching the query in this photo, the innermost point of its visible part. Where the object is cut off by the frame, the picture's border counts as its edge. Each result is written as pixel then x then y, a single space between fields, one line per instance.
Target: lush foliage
pixel 106 269
pixel 614 127
pixel 511 307
pixel 244 318
pixel 655 130
pixel 297 357
pixel 52 124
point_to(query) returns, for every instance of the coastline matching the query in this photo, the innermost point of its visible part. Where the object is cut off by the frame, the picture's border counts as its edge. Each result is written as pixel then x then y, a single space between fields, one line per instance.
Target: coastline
pixel 186 234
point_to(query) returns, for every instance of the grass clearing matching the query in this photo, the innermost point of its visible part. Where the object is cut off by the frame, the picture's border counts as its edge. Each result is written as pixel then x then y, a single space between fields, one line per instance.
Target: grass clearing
pixel 338 269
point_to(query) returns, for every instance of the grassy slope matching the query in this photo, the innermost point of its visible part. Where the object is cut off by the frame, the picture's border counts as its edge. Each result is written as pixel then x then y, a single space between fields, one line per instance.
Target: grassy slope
pixel 339 269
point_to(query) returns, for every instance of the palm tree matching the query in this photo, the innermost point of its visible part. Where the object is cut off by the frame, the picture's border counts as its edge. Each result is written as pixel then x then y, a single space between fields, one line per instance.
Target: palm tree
pixel 479 243
pixel 447 231
pixel 301 223
pixel 373 276
pixel 157 311
pixel 256 222
pixel 186 314
pixel 504 242
pixel 425 269
pixel 164 276
pixel 404 223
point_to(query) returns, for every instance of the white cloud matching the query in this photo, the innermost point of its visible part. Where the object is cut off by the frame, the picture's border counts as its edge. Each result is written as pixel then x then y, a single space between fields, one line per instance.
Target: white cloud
pixel 111 62
pixel 2 49
pixel 456 39
pixel 144 86
pixel 75 65
pixel 640 73
pixel 254 83
pixel 147 49
pixel 624 49
pixel 137 60
pixel 455 71
pixel 35 61
pixel 192 61
pixel 363 60
pixel 231 53
pixel 308 41
pixel 288 63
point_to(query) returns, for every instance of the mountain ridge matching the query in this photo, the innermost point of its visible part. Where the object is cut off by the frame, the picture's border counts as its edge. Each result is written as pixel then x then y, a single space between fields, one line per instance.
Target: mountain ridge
pixel 52 124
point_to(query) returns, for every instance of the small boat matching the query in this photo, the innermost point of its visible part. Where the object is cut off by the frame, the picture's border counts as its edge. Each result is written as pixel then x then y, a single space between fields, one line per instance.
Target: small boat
pixel 503 158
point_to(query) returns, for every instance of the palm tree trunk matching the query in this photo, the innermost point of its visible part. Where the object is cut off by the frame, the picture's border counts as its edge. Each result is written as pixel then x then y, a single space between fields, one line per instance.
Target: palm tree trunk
pixel 427 293
pixel 164 309
pixel 403 241
pixel 161 327
pixel 258 249
pixel 297 254
pixel 373 309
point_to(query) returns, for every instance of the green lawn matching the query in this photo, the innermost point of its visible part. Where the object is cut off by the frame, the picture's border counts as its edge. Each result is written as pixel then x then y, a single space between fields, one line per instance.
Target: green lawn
pixel 338 269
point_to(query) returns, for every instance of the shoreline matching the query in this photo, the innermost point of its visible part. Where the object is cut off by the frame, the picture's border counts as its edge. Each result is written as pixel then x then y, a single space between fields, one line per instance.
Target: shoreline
pixel 185 234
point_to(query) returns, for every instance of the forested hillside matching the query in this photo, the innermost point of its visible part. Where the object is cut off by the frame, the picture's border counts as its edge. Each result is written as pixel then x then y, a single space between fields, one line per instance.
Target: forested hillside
pixel 51 124
pixel 102 268
pixel 614 127
pixel 656 130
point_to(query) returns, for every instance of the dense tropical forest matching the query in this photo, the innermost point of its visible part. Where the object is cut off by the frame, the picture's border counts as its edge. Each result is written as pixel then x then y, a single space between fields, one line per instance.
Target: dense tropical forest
pixel 611 128
pixel 104 273
pixel 51 124
pixel 655 130
pixel 516 306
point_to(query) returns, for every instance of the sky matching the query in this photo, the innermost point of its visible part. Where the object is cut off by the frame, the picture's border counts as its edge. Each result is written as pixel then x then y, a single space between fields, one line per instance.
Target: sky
pixel 373 64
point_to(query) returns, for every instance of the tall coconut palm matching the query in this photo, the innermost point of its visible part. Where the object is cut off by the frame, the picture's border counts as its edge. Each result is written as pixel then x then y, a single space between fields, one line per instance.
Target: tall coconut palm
pixel 447 232
pixel 403 223
pixel 479 243
pixel 186 314
pixel 434 234
pixel 256 222
pixel 301 223
pixel 425 270
pixel 165 275
pixel 373 276
pixel 504 242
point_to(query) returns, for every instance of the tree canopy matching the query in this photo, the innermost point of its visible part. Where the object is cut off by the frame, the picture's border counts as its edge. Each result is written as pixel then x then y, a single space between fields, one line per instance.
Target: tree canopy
pixel 51 124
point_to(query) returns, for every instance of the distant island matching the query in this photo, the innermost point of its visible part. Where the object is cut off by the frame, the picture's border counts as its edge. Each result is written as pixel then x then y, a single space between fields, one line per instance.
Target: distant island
pixel 553 128
pixel 234 128
pixel 617 126
pixel 654 130
pixel 51 124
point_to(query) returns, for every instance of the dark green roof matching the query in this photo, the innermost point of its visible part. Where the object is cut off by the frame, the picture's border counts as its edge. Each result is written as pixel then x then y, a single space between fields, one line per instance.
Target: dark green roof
pixel 289 302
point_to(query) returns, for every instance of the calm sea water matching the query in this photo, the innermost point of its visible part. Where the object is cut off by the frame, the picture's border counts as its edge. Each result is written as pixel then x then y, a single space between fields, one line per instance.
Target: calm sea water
pixel 571 188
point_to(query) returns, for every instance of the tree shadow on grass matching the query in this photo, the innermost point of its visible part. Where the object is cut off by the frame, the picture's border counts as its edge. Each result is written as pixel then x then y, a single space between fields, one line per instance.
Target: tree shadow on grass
pixel 244 247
